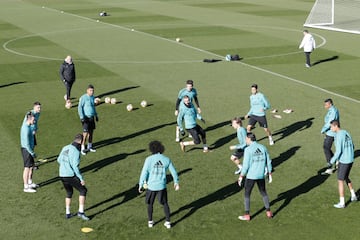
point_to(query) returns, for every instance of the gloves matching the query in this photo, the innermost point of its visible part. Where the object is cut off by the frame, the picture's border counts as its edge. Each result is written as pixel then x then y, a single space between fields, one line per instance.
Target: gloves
pixel 182 132
pixel 270 178
pixel 97 118
pixel 82 120
pixel 203 120
pixel 176 186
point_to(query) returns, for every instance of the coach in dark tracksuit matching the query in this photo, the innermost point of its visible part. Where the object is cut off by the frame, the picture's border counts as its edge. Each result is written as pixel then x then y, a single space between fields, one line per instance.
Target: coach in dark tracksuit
pixel 67 75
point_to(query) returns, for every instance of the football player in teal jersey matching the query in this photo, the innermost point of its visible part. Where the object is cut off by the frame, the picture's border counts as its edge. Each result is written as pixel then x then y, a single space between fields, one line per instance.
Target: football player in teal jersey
pixel 191 92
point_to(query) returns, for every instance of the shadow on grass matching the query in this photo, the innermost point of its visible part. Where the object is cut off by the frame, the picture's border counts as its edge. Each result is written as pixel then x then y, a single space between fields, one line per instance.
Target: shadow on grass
pixel 96 165
pixel 219 195
pixel 221 141
pixel 288 196
pixel 284 156
pixel 110 141
pixel 116 91
pixel 325 60
pixel 126 196
pixel 357 153
pixel 11 84
pixel 292 128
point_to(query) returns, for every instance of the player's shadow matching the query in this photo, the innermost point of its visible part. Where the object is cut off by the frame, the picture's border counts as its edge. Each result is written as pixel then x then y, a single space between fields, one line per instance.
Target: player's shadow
pixel 292 128
pixel 126 196
pixel 219 195
pixel 115 140
pixel 284 156
pixel 305 187
pixel 325 60
pixel 11 84
pixel 357 153
pixel 115 91
pixel 96 166
pixel 224 140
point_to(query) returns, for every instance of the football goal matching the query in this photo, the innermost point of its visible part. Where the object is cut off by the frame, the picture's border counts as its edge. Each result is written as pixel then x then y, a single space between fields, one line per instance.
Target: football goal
pixel 335 15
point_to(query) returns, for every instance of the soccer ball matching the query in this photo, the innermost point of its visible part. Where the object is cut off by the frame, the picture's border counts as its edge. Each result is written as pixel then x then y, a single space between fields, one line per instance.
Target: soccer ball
pixel 68 105
pixel 143 103
pixel 129 107
pixel 113 100
pixel 97 101
pixel 178 39
pixel 107 100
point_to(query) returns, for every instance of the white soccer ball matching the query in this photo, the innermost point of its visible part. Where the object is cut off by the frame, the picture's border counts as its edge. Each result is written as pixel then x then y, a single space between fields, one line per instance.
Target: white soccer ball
pixel 113 100
pixel 97 101
pixel 107 100
pixel 68 105
pixel 178 39
pixel 143 103
pixel 129 107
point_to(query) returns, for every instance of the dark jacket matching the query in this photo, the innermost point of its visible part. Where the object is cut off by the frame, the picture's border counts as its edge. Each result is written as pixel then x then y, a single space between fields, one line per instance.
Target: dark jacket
pixel 67 72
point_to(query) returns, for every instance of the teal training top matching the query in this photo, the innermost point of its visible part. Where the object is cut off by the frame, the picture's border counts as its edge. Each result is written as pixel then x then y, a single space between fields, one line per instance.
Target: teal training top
pixel 188 114
pixel 344 148
pixel 34 127
pixel 241 135
pixel 27 138
pixel 184 92
pixel 86 107
pixel 256 159
pixel 69 161
pixel 154 172
pixel 332 114
pixel 258 105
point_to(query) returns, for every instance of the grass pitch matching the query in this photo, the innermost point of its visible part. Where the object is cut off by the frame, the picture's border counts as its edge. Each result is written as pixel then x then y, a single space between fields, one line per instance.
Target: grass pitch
pixel 147 63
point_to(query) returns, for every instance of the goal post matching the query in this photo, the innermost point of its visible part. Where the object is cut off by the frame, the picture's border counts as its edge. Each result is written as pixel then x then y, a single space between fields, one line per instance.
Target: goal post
pixel 335 15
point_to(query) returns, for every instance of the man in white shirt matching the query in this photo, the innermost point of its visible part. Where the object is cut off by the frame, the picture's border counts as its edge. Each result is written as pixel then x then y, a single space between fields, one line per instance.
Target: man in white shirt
pixel 308 44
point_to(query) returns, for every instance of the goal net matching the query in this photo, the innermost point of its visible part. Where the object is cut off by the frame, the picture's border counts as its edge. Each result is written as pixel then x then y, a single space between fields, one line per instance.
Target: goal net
pixel 336 15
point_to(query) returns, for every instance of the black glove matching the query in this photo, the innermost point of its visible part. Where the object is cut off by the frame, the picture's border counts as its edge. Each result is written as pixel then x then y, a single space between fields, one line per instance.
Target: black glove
pixel 97 118
pixel 182 132
pixel 203 120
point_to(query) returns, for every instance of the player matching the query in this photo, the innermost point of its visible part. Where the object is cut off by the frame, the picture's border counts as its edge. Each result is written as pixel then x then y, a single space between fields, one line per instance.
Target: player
pixel 345 154
pixel 67 75
pixel 88 115
pixel 332 114
pixel 154 174
pixel 258 105
pixel 188 114
pixel 256 161
pixel 191 92
pixel 308 43
pixel 27 151
pixel 36 112
pixel 69 160
pixel 236 123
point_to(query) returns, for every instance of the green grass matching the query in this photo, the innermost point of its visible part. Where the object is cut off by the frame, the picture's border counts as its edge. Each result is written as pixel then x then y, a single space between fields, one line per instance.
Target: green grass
pixel 148 64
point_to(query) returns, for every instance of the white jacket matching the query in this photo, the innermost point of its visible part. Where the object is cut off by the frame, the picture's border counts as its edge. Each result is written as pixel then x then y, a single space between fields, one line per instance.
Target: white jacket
pixel 308 43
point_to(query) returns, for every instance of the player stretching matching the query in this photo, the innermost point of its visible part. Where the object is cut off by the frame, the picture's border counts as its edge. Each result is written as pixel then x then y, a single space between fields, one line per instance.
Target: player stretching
pixel 188 114
pixel 191 92
pixel 345 154
pixel 258 105
pixel 236 123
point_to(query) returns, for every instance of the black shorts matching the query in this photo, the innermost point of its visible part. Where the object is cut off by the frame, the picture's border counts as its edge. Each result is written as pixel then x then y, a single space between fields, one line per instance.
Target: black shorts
pixel 88 124
pixel 239 153
pixel 73 182
pixel 28 159
pixel 195 132
pixel 344 171
pixel 260 119
pixel 162 196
